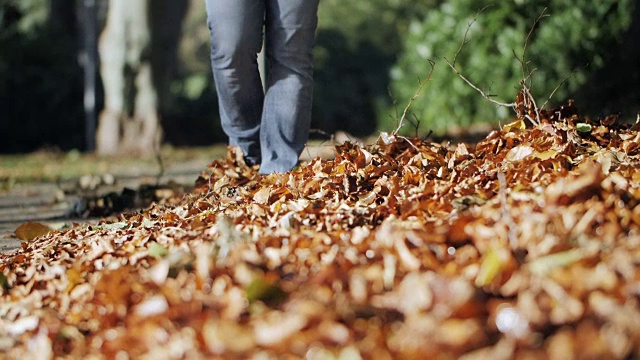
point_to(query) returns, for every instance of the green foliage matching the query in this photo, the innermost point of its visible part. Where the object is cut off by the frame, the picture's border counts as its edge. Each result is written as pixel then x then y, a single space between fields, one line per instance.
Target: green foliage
pixel 357 44
pixel 32 14
pixel 369 53
pixel 576 34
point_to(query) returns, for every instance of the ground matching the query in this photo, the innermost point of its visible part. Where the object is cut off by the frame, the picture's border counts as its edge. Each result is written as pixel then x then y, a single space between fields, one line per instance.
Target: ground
pixel 49 185
pixel 524 245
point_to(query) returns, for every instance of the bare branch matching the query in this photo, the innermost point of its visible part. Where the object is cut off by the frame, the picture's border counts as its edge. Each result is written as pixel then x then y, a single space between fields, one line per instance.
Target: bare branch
pixel 414 97
pixel 562 83
pixel 482 92
pixel 465 39
pixel 529 97
pixel 542 15
pixel 452 65
pixel 409 142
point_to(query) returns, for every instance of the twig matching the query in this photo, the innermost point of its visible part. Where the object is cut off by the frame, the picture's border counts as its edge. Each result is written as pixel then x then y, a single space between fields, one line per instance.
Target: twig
pixel 482 92
pixel 542 15
pixel 321 132
pixel 528 75
pixel 529 97
pixel 452 65
pixel 416 124
pixel 409 141
pixel 466 32
pixel 432 65
pixel 560 85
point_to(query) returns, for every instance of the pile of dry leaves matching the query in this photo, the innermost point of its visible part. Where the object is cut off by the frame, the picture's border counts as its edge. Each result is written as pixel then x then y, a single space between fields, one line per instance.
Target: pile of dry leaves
pixel 526 245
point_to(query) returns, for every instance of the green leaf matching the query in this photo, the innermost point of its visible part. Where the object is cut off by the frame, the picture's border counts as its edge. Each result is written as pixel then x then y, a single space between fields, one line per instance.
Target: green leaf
pixel 157 251
pixel 584 128
pixel 266 290
pixel 551 262
pixel 147 223
pixel 4 282
pixel 113 226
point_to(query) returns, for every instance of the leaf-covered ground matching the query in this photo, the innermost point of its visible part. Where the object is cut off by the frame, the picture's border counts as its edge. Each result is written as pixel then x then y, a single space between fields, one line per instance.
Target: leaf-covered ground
pixel 525 245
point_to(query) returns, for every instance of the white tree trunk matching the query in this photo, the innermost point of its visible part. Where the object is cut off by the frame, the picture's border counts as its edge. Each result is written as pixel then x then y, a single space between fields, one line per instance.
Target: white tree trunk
pixel 129 122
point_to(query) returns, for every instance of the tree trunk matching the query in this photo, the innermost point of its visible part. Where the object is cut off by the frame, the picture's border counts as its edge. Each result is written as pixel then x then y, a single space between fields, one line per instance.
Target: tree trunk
pixel 129 122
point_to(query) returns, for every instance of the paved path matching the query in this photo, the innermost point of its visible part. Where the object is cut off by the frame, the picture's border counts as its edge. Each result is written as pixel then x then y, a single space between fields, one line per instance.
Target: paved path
pixel 50 204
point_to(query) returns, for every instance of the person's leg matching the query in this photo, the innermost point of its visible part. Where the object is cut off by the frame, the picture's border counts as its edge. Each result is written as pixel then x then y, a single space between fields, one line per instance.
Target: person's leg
pixel 286 117
pixel 236 39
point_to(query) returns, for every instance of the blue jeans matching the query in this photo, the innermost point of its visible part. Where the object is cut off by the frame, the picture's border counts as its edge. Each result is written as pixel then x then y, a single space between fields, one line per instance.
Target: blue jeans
pixel 272 126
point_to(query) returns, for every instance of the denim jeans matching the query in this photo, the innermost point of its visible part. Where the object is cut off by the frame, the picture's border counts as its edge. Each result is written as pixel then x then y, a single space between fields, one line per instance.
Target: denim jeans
pixel 271 126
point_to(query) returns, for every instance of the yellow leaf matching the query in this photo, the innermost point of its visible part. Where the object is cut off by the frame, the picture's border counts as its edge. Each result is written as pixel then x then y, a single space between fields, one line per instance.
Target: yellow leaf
pixel 516 125
pixel 31 230
pixel 74 277
pixel 490 267
pixel 546 155
pixel 550 262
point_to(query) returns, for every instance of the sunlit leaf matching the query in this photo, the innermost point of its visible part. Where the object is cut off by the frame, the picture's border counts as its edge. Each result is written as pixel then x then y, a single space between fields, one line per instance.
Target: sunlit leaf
pixel 548 263
pixel 148 223
pixel 112 226
pixel 262 196
pixel 516 125
pixel 490 267
pixel 74 276
pixel 156 250
pixel 546 155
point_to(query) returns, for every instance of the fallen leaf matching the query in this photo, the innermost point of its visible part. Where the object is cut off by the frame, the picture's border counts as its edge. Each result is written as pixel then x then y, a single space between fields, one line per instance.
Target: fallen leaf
pixel 516 125
pixel 4 282
pixel 31 230
pixel 519 153
pixel 156 250
pixel 583 127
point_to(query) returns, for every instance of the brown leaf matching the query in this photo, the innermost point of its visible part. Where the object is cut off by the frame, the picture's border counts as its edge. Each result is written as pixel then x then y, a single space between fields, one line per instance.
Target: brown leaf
pixel 31 230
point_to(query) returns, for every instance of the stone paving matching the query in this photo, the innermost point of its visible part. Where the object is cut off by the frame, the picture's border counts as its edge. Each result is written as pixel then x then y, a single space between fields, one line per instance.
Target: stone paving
pixel 56 204
pixel 53 204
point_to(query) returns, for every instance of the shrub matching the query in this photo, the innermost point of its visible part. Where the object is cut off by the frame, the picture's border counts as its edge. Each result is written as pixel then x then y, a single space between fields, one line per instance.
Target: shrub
pixel 576 34
pixel 357 44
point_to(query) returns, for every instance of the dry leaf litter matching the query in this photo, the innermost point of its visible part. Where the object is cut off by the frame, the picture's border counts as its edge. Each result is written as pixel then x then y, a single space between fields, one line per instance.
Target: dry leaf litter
pixel 526 245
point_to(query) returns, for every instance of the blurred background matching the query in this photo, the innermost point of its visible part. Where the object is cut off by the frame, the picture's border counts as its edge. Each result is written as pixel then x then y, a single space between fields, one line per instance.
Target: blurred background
pixel 60 61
